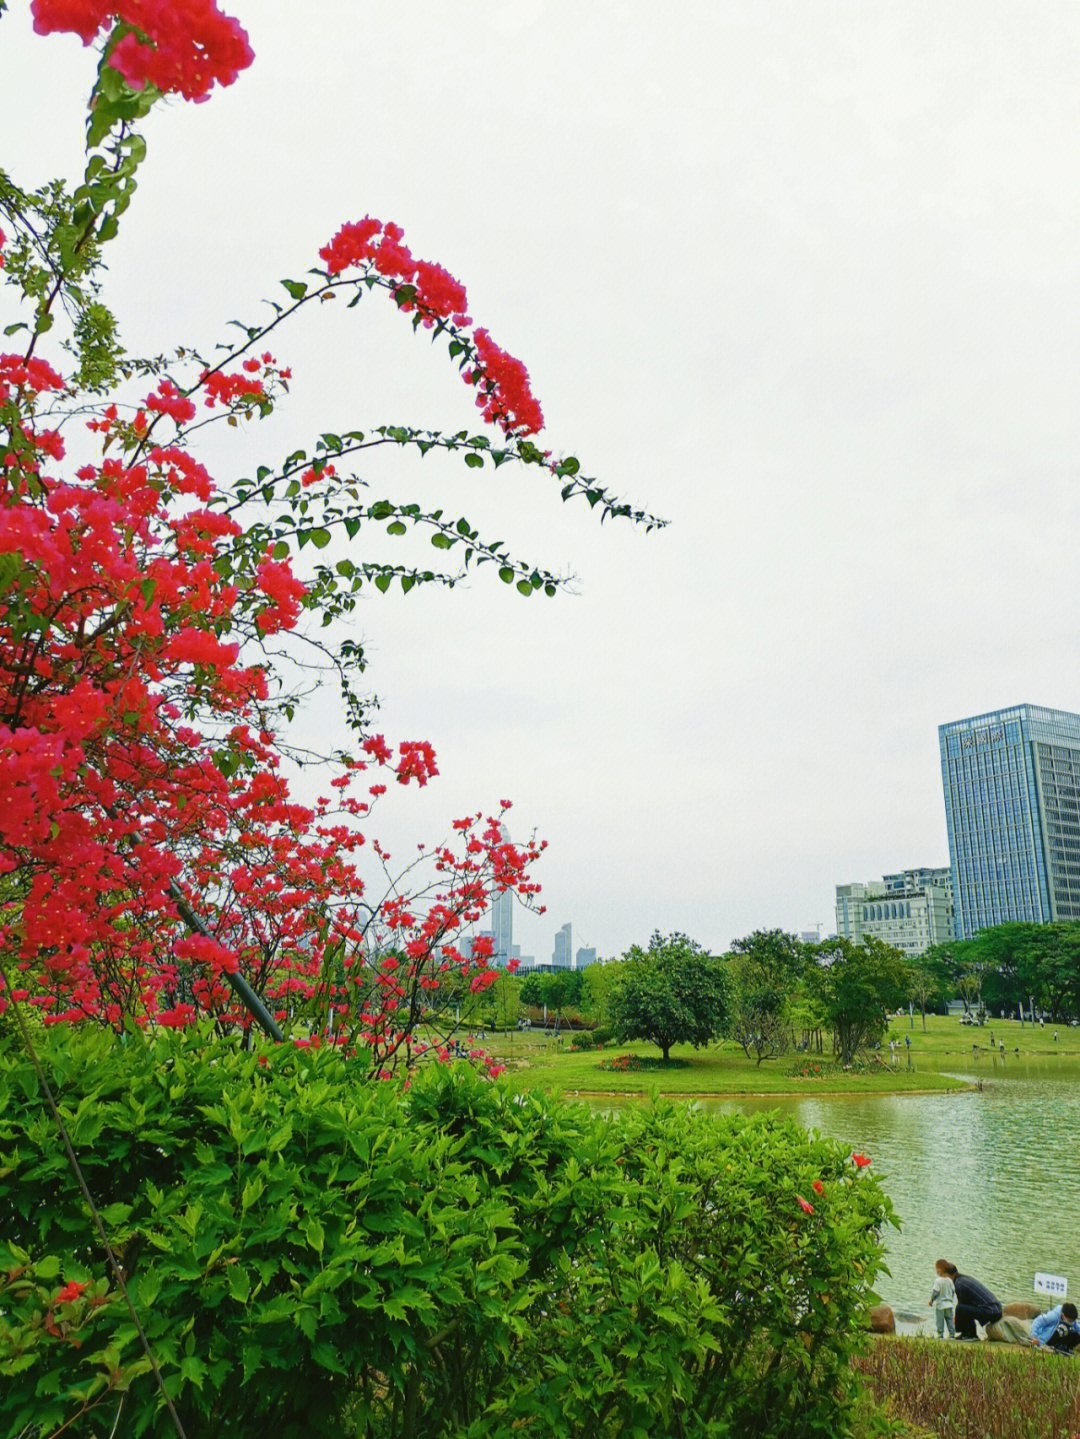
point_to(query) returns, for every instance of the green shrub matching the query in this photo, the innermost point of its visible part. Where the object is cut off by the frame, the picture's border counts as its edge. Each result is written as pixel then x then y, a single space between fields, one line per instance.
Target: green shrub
pixel 314 1256
pixel 583 1039
pixel 602 1034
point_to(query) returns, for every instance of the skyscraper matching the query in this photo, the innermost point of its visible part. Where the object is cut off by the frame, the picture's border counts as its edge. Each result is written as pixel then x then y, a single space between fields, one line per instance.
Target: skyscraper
pixel 1012 805
pixel 502 928
pixel 563 955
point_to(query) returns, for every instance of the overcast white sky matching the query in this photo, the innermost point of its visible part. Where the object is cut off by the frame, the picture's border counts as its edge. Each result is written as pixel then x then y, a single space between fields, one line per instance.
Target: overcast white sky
pixel 802 277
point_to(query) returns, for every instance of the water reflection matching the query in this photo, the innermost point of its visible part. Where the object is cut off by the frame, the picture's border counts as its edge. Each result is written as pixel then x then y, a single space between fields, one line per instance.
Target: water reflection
pixel 990 1179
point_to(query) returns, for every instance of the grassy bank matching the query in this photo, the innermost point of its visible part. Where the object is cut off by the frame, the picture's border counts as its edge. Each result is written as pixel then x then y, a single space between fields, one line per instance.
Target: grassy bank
pixel 547 1064
pixel 946 1038
pixel 536 1060
pixel 975 1391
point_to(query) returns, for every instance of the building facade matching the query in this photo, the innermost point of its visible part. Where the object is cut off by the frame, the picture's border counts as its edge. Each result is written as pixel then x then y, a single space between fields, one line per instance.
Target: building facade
pixel 911 910
pixel 1012 805
pixel 585 957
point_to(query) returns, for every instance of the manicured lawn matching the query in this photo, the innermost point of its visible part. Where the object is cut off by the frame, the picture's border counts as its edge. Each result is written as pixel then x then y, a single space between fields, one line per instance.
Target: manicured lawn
pixel 946 1036
pixel 536 1061
pixel 547 1064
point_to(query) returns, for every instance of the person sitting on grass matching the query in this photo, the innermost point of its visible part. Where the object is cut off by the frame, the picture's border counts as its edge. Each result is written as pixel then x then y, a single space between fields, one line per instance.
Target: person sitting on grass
pixel 974 1303
pixel 1057 1329
pixel 942 1299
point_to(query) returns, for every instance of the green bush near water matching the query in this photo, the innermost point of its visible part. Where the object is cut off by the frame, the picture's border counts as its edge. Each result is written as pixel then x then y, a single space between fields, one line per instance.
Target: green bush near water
pixel 315 1256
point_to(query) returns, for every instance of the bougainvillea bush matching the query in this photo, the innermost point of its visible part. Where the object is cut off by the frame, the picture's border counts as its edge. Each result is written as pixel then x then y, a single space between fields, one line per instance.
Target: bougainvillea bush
pixel 157 621
pixel 312 1255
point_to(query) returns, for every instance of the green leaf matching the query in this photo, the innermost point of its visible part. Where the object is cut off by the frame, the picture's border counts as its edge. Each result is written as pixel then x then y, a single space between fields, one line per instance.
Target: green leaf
pixel 524 588
pixel 506 574
pixel 397 528
pixel 253 1191
pixel 382 583
pixel 474 462
pixel 193 1369
pixel 239 1283
pixel 441 541
pixel 280 551
pixel 296 288
pixel 319 538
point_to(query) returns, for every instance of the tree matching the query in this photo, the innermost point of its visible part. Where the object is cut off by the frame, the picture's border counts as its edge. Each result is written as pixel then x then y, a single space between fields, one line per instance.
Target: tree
pixel 555 991
pixel 856 985
pixel 671 993
pixel 158 625
pixel 927 980
pixel 505 1000
pixel 765 968
pixel 598 985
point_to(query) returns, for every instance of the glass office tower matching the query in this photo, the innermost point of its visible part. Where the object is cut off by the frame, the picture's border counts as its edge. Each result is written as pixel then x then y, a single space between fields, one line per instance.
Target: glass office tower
pixel 1012 805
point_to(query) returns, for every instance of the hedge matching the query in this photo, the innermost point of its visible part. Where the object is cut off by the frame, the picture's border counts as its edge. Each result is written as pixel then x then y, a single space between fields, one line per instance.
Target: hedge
pixel 315 1256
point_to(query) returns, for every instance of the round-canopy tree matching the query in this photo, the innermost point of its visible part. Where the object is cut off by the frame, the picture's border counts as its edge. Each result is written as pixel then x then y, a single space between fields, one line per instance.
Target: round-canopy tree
pixel 855 985
pixel 671 993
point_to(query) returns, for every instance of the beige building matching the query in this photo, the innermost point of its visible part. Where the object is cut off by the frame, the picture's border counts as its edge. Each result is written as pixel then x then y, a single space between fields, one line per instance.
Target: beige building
pixel 911 910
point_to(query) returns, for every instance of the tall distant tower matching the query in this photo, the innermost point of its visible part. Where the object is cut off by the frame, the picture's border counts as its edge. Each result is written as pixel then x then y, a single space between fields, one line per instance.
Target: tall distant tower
pixel 1012 804
pixel 562 957
pixel 502 919
pixel 502 928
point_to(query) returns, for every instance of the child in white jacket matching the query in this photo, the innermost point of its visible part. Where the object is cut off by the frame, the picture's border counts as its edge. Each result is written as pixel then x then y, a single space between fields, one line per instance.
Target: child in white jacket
pixel 943 1301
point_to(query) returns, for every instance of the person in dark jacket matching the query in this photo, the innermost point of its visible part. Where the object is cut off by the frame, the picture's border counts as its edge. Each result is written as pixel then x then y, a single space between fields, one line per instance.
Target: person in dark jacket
pixel 974 1304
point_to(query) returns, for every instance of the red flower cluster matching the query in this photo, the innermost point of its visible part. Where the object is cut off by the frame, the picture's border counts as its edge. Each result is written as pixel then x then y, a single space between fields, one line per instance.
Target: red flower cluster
pixel 169 401
pixel 805 1204
pixel 224 389
pixel 180 46
pixel 860 1160
pixel 69 1293
pixel 284 590
pixel 438 295
pixel 504 396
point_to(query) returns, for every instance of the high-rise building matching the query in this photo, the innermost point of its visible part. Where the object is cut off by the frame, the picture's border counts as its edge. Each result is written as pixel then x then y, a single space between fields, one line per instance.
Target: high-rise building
pixel 1012 805
pixel 584 958
pixel 502 928
pixel 563 954
pixel 911 910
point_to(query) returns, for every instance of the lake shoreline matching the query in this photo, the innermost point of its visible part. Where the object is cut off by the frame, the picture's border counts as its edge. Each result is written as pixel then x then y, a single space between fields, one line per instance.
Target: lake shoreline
pixel 960 1088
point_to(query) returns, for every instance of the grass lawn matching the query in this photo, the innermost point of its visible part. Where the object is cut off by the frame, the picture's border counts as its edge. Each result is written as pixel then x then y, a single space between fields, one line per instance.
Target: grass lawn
pixel 947 1037
pixel 547 1064
pixel 538 1061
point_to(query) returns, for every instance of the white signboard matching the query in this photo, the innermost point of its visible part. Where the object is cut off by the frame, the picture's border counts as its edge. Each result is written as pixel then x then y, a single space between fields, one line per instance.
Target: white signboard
pixel 1054 1284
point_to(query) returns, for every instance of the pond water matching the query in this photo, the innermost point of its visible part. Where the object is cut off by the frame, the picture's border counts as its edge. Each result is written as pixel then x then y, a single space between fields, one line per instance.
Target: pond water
pixel 989 1179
